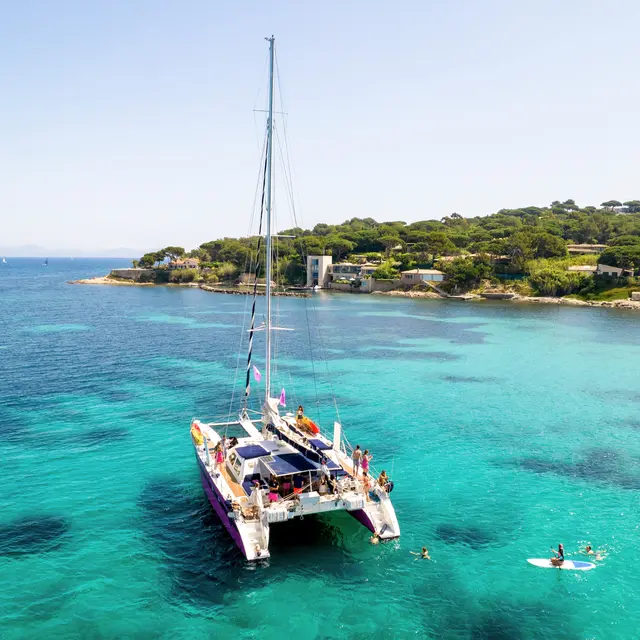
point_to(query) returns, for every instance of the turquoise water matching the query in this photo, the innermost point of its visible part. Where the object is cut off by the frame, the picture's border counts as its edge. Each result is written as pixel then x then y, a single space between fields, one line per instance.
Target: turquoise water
pixel 507 429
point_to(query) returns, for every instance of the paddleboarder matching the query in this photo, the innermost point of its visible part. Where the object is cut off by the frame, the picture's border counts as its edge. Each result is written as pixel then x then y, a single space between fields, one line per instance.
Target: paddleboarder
pixel 559 555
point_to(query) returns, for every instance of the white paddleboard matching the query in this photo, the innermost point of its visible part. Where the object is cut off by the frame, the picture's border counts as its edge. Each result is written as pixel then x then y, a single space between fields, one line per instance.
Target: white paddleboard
pixel 571 565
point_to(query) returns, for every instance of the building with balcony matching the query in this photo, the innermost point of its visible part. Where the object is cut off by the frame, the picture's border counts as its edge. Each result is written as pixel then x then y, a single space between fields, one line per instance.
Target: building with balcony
pixel 318 268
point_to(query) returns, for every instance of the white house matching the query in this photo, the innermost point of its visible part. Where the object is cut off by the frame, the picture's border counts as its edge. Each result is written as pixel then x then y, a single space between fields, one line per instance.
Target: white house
pixel 416 276
pixel 187 263
pixel 318 270
pixel 617 272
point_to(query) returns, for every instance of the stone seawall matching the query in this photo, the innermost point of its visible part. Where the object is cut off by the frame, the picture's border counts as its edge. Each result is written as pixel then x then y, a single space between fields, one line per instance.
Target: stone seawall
pixel 249 291
pixel 132 274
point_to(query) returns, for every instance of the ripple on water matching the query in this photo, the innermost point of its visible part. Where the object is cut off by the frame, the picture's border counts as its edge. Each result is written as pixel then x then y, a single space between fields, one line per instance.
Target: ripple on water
pixel 57 328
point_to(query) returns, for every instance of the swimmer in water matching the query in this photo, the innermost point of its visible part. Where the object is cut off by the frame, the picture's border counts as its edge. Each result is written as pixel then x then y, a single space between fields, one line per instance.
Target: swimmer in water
pixel 599 555
pixel 424 554
pixel 375 538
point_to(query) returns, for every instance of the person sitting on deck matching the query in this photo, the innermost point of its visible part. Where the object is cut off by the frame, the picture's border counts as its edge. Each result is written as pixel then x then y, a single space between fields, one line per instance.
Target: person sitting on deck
pixel 233 442
pixel 322 486
pixel 274 487
pixel 327 474
pixel 286 486
pixel 383 479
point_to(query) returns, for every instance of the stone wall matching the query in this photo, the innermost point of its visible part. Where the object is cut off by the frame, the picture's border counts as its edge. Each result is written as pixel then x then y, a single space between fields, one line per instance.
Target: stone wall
pixel 381 285
pixel 132 274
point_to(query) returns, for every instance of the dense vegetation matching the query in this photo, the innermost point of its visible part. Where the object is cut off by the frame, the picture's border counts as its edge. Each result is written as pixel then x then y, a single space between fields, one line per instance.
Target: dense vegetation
pixel 529 241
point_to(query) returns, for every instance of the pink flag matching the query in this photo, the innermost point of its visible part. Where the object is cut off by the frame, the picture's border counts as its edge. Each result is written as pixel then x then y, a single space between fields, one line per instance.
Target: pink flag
pixel 283 399
pixel 256 374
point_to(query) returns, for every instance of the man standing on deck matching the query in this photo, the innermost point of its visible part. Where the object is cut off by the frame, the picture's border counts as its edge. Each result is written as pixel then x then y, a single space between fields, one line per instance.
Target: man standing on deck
pixel 356 456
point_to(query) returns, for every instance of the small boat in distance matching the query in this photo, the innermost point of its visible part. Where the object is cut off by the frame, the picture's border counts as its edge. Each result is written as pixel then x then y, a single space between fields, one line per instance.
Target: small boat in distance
pixel 46 262
pixel 283 467
pixel 4 260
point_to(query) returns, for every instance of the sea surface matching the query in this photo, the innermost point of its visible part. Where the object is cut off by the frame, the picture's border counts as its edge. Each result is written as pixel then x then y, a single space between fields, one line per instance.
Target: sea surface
pixel 507 429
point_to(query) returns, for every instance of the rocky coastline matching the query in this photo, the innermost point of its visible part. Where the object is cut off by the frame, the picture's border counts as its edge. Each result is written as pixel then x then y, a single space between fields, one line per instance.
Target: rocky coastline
pixel 571 302
pixel 108 280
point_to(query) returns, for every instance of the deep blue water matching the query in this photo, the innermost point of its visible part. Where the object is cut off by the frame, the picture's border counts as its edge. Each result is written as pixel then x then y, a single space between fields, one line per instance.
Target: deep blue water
pixel 507 429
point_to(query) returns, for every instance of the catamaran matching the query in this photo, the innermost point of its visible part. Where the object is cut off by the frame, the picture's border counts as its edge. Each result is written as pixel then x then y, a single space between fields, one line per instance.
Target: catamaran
pixel 283 466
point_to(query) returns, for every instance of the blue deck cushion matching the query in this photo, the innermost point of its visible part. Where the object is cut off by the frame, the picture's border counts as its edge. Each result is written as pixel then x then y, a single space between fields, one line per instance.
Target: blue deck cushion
pixel 247 483
pixel 251 451
pixel 290 464
pixel 316 443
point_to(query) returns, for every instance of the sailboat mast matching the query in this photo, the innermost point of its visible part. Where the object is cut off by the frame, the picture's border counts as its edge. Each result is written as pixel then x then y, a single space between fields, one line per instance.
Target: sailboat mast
pixel 268 227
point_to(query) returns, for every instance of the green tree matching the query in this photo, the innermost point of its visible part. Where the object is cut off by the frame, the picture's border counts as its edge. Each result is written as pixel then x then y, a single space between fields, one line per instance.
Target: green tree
pixel 148 260
pixel 390 241
pixel 467 272
pixel 610 204
pixel 386 271
pixel 173 253
pixel 634 205
pixel 339 246
pixel 625 257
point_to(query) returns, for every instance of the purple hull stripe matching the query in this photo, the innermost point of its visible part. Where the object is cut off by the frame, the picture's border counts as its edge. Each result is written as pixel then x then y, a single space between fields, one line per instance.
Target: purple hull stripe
pixel 217 501
pixel 361 516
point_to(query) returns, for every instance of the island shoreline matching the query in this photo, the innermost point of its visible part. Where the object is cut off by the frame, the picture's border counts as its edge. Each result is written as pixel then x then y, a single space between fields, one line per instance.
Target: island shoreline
pixel 631 305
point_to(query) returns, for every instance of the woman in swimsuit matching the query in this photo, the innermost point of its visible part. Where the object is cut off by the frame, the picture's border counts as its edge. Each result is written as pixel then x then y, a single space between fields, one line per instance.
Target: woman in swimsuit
pixel 559 556
pixel 365 460
pixel 219 457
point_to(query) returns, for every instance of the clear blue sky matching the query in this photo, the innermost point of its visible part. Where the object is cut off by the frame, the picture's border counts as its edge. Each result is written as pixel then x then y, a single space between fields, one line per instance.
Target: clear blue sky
pixel 130 122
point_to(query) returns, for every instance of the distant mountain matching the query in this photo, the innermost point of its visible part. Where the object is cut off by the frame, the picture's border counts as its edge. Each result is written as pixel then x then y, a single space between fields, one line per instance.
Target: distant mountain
pixel 36 251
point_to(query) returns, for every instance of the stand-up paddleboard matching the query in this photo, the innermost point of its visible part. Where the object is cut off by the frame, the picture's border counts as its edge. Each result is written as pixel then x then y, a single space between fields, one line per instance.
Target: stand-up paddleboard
pixel 571 565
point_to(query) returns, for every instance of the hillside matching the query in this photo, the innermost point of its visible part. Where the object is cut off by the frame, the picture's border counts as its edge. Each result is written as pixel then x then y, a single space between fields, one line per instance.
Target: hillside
pixel 529 242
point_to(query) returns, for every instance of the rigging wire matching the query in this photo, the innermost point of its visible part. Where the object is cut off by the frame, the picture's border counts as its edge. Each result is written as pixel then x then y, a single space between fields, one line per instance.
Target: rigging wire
pixel 248 260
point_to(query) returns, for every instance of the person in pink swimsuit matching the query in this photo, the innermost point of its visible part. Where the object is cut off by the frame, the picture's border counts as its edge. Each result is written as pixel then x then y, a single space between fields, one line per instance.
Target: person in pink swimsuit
pixel 366 457
pixel 219 456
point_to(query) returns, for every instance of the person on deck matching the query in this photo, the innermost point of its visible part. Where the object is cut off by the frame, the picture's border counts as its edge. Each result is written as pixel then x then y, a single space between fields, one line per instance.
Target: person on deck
pixel 366 481
pixel 559 556
pixel 356 456
pixel 322 486
pixel 383 479
pixel 298 483
pixel 274 488
pixel 286 486
pixel 218 456
pixel 366 458
pixel 300 415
